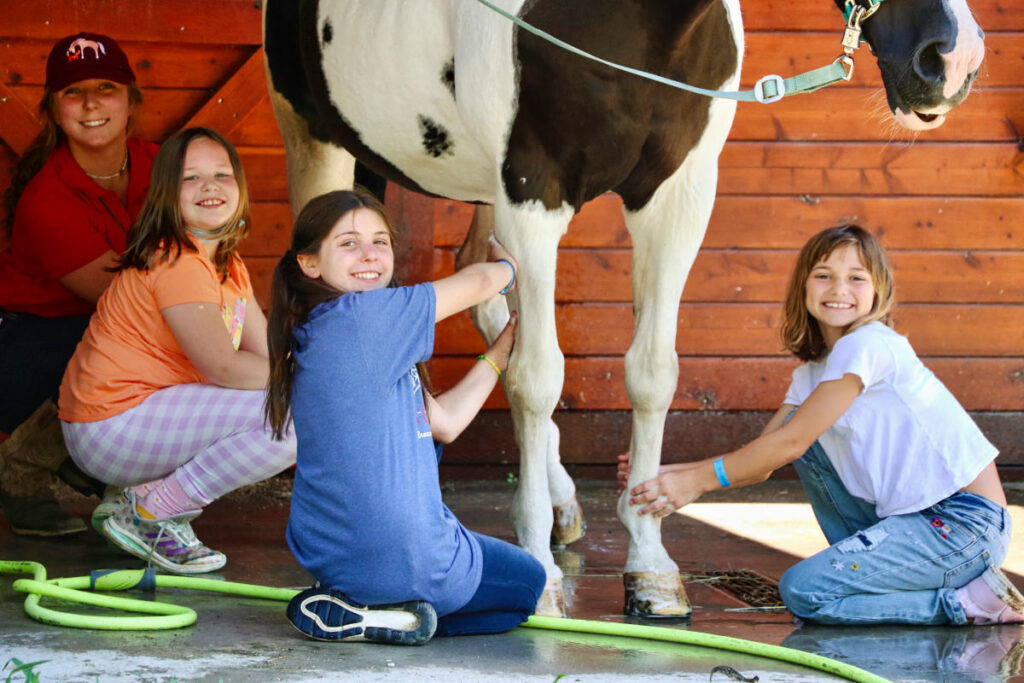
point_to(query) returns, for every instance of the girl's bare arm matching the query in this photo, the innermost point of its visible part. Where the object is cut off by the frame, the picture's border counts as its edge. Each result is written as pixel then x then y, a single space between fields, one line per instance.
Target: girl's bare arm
pixel 755 461
pixel 92 279
pixel 254 332
pixel 778 419
pixel 202 335
pixel 452 411
pixel 475 283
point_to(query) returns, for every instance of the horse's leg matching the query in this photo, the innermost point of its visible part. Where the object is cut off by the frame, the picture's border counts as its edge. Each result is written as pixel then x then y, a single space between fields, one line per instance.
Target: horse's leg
pixel 490 318
pixel 666 236
pixel 535 374
pixel 314 167
pixel 569 525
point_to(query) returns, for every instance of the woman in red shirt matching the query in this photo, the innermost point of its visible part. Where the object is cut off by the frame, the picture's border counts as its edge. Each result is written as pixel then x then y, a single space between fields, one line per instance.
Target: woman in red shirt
pixel 74 193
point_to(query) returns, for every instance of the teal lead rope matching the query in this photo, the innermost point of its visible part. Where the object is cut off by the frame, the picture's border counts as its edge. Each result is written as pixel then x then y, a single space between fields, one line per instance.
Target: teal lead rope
pixel 768 89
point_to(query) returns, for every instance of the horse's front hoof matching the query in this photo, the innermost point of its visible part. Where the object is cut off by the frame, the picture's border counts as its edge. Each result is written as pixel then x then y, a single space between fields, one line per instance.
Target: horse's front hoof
pixel 552 601
pixel 655 595
pixel 569 525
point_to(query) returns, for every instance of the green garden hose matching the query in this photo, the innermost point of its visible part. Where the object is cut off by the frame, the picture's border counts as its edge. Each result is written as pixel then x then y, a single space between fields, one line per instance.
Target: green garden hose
pixel 671 635
pixel 160 615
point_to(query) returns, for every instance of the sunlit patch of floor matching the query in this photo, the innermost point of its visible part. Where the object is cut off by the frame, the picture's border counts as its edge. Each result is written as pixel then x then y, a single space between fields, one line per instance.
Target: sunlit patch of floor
pixel 789 527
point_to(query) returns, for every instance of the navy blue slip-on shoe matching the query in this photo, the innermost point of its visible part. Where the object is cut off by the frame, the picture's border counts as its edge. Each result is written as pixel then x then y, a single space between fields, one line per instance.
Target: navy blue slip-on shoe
pixel 327 614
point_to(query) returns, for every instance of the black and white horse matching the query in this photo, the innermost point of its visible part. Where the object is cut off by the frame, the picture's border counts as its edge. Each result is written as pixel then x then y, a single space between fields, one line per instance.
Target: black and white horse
pixel 450 98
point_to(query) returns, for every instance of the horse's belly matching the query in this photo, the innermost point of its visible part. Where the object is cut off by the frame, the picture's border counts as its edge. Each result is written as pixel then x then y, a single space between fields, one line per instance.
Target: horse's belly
pixel 389 66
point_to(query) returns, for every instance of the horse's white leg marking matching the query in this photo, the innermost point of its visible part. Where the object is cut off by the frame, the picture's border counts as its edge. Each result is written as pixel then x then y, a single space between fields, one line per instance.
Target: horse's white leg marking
pixel 569 525
pixel 666 236
pixel 536 371
pixel 490 318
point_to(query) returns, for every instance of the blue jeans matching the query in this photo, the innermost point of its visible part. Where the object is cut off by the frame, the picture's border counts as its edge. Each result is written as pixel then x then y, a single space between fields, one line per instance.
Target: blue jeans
pixel 510 586
pixel 903 569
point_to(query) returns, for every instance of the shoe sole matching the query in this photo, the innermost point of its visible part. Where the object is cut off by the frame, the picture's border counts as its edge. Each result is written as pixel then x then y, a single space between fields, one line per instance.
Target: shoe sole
pixel 116 535
pixel 109 505
pixel 48 533
pixel 98 518
pixel 316 613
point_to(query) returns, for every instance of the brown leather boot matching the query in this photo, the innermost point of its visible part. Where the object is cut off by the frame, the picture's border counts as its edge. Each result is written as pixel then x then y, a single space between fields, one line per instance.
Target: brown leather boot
pixel 28 461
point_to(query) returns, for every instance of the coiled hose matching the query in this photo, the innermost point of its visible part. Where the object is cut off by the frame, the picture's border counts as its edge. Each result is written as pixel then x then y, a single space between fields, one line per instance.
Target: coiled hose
pixel 162 616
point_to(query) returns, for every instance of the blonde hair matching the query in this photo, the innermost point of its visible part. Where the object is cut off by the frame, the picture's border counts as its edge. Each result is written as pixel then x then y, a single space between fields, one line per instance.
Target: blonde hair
pixel 800 332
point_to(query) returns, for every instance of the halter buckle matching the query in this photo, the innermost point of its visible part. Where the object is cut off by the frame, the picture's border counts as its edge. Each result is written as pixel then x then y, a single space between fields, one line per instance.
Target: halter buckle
pixel 770 88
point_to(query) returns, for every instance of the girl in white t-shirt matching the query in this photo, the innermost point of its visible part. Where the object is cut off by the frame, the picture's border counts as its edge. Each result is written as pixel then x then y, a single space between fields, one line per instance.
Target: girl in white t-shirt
pixel 902 482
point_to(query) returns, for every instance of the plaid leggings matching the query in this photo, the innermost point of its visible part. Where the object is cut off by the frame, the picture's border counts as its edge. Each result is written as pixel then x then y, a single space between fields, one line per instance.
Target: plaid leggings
pixel 214 440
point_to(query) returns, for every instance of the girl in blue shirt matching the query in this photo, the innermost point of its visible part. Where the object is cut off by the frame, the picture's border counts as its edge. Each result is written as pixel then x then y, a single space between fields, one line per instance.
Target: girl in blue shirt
pixel 392 563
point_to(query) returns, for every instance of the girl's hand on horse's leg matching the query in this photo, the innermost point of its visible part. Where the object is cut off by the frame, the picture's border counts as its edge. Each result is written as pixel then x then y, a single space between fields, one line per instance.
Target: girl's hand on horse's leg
pixel 623 470
pixel 496 252
pixel 667 492
pixel 501 349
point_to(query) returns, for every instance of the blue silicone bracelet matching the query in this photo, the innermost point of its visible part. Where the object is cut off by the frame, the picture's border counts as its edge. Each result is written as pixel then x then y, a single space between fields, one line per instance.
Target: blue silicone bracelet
pixel 720 473
pixel 513 280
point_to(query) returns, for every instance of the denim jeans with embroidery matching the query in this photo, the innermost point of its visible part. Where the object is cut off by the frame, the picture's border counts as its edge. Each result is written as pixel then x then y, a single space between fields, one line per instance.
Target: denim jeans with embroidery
pixel 903 569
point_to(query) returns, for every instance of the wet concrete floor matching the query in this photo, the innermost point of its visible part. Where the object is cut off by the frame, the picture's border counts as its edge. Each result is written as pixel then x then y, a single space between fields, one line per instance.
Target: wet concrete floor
pixel 762 530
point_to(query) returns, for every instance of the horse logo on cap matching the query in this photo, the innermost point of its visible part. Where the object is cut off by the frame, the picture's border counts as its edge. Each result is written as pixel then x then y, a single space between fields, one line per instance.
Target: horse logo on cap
pixel 76 50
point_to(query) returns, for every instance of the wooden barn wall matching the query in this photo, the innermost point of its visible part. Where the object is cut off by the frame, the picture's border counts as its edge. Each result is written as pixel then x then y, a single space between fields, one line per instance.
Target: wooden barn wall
pixel 948 207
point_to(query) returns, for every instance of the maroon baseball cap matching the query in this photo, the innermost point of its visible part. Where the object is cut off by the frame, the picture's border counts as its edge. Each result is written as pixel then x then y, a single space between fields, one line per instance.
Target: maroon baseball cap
pixel 86 55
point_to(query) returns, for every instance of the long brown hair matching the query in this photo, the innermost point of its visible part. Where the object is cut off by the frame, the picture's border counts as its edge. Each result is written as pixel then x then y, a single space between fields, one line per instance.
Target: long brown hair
pixel 50 137
pixel 159 227
pixel 293 294
pixel 800 332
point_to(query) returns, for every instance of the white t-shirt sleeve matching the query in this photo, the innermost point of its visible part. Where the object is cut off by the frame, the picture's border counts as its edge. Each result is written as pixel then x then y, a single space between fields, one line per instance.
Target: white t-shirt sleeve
pixel 799 386
pixel 862 353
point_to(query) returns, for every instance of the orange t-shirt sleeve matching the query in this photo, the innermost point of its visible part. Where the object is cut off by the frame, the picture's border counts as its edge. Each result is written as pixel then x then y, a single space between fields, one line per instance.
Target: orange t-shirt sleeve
pixel 189 280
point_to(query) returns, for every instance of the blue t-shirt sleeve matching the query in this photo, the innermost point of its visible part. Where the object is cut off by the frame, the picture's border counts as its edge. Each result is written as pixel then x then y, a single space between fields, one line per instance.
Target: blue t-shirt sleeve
pixel 863 353
pixel 395 328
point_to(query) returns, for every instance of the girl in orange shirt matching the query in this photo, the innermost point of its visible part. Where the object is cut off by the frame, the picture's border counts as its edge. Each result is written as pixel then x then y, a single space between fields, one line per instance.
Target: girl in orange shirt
pixel 164 395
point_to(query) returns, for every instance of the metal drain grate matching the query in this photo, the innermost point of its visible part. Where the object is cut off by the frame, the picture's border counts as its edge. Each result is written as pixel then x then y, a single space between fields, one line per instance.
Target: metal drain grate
pixel 751 588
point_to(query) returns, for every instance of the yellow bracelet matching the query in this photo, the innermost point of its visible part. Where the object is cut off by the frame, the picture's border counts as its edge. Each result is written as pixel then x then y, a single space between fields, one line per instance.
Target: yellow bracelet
pixel 491 363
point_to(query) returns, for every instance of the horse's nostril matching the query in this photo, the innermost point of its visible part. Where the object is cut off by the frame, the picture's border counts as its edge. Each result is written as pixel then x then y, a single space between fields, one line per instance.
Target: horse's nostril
pixel 929 64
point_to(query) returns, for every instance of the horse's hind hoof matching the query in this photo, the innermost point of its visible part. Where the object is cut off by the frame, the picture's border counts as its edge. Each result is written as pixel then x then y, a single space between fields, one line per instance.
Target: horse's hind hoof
pixel 552 601
pixel 569 525
pixel 655 595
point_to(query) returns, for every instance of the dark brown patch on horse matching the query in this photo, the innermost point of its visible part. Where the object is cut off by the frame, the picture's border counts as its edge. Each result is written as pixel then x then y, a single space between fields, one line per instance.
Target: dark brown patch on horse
pixel 448 76
pixel 583 128
pixel 436 139
pixel 328 33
